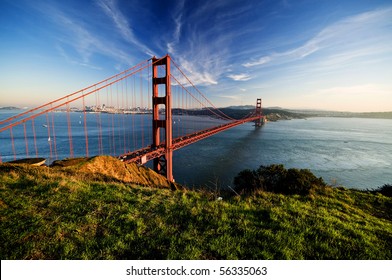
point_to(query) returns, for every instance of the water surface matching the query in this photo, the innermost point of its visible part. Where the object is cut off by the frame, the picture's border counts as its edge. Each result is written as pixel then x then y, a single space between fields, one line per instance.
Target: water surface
pixel 353 152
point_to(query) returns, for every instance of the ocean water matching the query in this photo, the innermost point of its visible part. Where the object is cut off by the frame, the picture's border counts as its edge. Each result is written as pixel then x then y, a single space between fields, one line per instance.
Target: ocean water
pixel 352 152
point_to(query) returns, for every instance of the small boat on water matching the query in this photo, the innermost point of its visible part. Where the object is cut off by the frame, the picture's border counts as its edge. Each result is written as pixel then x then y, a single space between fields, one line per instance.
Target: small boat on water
pixel 45 125
pixel 31 161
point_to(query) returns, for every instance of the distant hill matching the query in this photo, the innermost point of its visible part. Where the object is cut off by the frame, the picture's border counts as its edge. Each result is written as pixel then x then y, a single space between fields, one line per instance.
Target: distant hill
pixel 238 112
pixel 9 108
pixel 277 113
pixel 320 113
pixel 242 107
pixel 378 115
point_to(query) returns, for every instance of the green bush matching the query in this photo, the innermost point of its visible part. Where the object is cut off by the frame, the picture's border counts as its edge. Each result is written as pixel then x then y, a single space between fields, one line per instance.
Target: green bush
pixel 385 190
pixel 247 181
pixel 276 178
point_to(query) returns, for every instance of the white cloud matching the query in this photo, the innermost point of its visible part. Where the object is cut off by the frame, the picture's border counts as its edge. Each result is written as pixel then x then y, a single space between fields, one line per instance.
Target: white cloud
pixel 233 97
pixel 239 77
pixel 260 61
pixel 111 9
pixel 202 63
pixel 198 77
pixel 203 53
pixel 178 21
pixel 69 59
pixel 76 42
pixel 86 43
pixel 347 34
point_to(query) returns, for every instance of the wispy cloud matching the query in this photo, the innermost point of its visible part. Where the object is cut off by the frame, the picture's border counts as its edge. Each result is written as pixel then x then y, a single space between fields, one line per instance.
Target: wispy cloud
pixel 82 40
pixel 239 77
pixel 303 51
pixel 198 76
pixel 347 34
pixel 111 9
pixel 85 42
pixel 260 61
pixel 69 59
pixel 233 97
pixel 72 32
pixel 201 39
pixel 178 21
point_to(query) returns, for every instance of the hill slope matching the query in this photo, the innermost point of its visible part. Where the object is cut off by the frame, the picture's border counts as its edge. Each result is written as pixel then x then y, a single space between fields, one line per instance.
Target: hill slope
pixel 68 213
pixel 106 168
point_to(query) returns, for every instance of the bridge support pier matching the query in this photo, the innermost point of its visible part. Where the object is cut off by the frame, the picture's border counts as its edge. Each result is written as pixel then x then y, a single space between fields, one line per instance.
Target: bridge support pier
pixel 164 164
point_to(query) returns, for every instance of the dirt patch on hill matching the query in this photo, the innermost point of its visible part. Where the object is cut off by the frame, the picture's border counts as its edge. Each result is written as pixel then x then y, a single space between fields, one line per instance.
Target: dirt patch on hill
pixel 108 168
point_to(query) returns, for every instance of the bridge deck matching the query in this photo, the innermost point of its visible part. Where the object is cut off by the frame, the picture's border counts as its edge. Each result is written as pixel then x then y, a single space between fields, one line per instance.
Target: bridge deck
pixel 148 153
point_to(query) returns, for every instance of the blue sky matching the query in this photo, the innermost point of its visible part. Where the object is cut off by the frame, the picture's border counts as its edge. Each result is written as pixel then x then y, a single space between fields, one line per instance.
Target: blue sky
pixel 333 55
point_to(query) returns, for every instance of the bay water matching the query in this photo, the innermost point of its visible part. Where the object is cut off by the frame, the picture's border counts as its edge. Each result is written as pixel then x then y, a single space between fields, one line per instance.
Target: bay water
pixel 353 152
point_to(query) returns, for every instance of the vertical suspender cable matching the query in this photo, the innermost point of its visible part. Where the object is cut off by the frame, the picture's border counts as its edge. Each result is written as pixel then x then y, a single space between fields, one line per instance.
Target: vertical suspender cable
pixel 112 125
pixel 85 126
pixel 98 122
pixel 49 139
pixel 25 137
pixel 12 143
pixel 118 122
pixel 127 115
pixel 109 130
pixel 123 116
pixel 54 136
pixel 71 152
pixel 133 115
pixel 141 108
pixel 35 138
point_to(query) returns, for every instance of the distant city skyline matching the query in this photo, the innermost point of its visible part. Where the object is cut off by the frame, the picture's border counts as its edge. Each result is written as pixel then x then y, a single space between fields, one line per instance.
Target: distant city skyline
pixel 305 54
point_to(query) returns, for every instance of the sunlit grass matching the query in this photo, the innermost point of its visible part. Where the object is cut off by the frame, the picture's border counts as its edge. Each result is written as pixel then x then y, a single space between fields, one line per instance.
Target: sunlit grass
pixel 50 214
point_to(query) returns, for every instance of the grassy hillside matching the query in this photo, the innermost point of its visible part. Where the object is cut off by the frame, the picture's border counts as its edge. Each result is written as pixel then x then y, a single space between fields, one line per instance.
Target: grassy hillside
pixel 68 212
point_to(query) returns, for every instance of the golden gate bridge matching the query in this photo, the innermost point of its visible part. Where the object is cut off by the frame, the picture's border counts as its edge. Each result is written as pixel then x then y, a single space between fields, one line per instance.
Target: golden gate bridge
pixel 139 115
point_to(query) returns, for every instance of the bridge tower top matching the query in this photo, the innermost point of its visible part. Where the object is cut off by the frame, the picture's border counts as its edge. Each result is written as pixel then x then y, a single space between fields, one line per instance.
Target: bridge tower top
pixel 259 113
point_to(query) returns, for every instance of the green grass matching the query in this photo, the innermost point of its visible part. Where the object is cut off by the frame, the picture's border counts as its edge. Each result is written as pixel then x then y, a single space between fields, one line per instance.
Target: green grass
pixel 49 214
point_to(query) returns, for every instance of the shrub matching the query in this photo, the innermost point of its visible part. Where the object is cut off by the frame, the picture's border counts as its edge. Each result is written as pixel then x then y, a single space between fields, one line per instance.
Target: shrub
pixel 385 190
pixel 276 178
pixel 273 177
pixel 246 181
pixel 300 181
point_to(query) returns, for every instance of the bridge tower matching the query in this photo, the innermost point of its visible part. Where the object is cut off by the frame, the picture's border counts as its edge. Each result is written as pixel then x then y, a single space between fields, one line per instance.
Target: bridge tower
pixel 163 164
pixel 259 122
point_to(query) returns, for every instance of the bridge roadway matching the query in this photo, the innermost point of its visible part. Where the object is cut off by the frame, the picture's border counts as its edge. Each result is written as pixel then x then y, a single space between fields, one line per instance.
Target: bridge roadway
pixel 148 153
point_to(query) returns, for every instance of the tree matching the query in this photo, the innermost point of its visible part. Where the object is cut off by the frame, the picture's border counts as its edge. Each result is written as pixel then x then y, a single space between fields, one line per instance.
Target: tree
pixel 276 178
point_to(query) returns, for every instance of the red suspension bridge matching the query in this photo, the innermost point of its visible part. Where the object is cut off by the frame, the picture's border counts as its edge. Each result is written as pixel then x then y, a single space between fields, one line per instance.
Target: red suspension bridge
pixel 123 116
